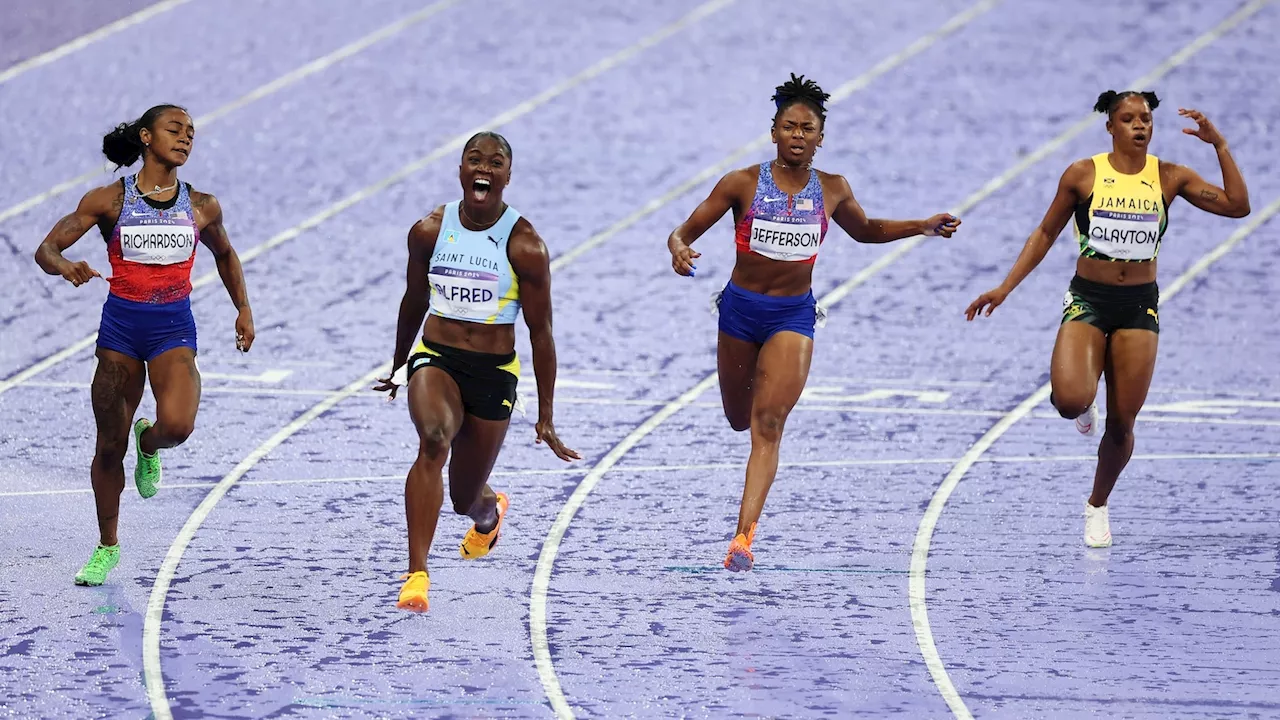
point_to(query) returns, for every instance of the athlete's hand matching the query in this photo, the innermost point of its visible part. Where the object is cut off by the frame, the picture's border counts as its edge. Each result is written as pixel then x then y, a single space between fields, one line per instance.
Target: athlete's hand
pixel 547 434
pixel 244 329
pixel 387 384
pixel 1204 130
pixel 944 224
pixel 682 260
pixel 79 273
pixel 990 300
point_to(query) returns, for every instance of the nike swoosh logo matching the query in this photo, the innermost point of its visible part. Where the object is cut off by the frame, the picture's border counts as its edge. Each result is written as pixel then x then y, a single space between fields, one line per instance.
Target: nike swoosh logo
pixel 769 200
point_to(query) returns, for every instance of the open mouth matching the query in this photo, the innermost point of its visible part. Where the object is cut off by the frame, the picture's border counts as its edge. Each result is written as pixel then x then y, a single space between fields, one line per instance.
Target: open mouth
pixel 480 189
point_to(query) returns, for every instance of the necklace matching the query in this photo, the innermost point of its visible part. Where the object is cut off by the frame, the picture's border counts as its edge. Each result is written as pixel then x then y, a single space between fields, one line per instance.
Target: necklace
pixel 784 166
pixel 463 209
pixel 157 189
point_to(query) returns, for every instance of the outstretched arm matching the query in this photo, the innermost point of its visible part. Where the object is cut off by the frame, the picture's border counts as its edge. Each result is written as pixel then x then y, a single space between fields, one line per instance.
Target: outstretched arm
pixel 96 205
pixel 214 236
pixel 1231 200
pixel 849 215
pixel 723 198
pixel 532 263
pixel 1037 246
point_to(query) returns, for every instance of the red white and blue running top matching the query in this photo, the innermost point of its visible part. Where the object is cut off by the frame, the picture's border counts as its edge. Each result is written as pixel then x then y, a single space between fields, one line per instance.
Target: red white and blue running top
pixel 153 246
pixel 781 226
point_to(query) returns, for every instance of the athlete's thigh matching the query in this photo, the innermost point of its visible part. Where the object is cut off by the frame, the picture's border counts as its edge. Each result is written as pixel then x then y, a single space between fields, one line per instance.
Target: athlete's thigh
pixel 1131 363
pixel 435 405
pixel 736 365
pixel 782 371
pixel 118 383
pixel 1079 357
pixel 175 381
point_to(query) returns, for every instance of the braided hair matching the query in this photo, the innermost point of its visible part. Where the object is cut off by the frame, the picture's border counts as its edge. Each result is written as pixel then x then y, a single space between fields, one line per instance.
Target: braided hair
pixel 1110 100
pixel 799 90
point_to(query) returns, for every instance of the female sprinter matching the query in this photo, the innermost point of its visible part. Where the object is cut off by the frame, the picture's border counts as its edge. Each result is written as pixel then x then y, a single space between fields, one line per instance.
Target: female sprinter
pixel 767 310
pixel 1110 320
pixel 472 264
pixel 150 222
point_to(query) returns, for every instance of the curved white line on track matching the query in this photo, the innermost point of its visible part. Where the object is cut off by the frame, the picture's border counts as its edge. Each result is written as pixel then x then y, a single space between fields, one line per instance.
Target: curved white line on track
pixel 551 545
pixel 88 39
pixel 916 587
pixel 151 672
pixel 153 675
pixel 449 148
pixel 293 76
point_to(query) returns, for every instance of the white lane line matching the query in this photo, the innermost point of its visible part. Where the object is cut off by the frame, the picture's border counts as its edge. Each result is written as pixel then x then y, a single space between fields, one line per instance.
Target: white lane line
pixel 88 39
pixel 290 78
pixel 808 407
pixel 729 162
pixel 152 674
pixel 451 147
pixel 708 467
pixel 551 545
pixel 917 591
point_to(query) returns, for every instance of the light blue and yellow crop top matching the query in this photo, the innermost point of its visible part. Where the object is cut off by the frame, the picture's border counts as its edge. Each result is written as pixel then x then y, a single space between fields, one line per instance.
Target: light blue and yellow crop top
pixel 1124 218
pixel 470 275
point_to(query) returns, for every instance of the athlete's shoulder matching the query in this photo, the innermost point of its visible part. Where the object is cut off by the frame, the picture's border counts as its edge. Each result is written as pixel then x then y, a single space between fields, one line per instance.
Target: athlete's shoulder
pixel 835 187
pixel 105 199
pixel 206 205
pixel 829 179
pixel 428 228
pixel 525 247
pixel 524 234
pixel 740 181
pixel 1082 169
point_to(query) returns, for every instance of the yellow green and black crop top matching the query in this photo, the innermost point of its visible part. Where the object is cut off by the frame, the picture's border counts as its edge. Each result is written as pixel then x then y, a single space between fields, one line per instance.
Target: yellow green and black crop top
pixel 1124 218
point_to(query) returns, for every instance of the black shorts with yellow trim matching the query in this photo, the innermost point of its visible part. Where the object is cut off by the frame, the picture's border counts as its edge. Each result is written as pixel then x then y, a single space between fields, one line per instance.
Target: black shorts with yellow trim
pixel 1112 307
pixel 487 381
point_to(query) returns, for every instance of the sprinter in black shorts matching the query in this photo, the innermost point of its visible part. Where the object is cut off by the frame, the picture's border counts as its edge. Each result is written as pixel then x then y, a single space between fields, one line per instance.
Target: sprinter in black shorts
pixel 473 265
pixel 1111 320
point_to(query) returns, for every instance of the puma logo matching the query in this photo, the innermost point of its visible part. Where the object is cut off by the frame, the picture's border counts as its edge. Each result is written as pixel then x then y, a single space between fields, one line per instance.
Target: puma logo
pixel 494 240
pixel 507 404
pixel 1152 313
pixel 1148 184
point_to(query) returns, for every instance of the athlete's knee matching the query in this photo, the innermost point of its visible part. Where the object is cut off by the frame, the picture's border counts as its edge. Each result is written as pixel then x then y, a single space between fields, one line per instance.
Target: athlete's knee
pixel 768 423
pixel 110 452
pixel 1069 404
pixel 1119 427
pixel 738 421
pixel 433 442
pixel 175 431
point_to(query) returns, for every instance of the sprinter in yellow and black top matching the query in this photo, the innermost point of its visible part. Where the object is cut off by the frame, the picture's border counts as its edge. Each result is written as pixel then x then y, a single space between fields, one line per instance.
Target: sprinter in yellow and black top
pixel 1111 320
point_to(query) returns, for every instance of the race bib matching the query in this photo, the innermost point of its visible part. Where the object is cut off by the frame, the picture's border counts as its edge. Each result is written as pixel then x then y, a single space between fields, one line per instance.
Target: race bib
pixel 469 294
pixel 157 244
pixel 790 242
pixel 1125 235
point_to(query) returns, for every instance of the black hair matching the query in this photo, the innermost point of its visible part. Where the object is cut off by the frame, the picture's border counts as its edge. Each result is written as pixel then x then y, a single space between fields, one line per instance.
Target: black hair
pixel 799 90
pixel 506 146
pixel 123 145
pixel 1110 100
